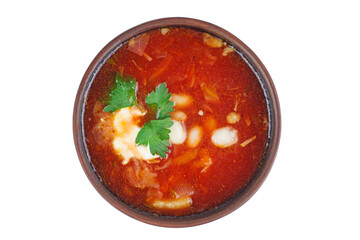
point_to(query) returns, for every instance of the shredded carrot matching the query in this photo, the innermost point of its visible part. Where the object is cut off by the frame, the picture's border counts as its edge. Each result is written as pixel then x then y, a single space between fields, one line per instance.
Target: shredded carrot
pixel 266 123
pixel 237 99
pixel 208 108
pixel 192 81
pixel 247 120
pixel 112 61
pixel 137 66
pixel 186 157
pixel 144 81
pixel 175 53
pixel 208 164
pixel 246 142
pixel 112 172
pixel 163 66
pixel 152 161
pixel 121 70
pixel 233 89
pixel 147 56
pixel 164 187
pixel 203 188
pixel 210 123
pixel 204 160
pixel 191 76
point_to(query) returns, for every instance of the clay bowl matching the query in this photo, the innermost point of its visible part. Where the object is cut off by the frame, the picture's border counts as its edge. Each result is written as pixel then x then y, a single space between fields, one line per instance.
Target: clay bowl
pixel 274 125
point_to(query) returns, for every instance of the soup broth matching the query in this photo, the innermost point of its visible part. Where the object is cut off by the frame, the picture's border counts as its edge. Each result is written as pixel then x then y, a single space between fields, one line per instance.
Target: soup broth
pixel 220 123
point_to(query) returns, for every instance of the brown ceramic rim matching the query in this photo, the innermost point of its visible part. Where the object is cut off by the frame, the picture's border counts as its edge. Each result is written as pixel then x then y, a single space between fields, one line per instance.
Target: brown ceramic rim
pixel 274 124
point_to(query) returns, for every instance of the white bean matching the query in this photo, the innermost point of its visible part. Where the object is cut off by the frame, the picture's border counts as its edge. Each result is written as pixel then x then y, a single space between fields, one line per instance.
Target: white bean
pixel 179 116
pixel 224 137
pixel 194 138
pixel 181 100
pixel 177 134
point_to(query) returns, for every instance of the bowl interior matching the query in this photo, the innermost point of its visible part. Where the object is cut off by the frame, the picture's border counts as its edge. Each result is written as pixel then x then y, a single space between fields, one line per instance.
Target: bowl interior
pixel 273 114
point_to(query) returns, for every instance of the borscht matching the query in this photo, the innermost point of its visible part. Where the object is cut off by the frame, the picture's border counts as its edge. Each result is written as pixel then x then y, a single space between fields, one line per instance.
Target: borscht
pixel 176 122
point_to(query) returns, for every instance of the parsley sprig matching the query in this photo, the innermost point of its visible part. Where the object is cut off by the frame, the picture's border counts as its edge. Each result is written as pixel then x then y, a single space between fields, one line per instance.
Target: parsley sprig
pixel 160 101
pixel 123 95
pixel 154 133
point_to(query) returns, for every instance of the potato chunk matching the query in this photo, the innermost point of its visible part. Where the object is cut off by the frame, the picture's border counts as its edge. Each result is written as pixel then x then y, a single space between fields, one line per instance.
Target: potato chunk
pixel 212 41
pixel 228 50
pixel 224 137
pixel 164 31
pixel 178 203
pixel 233 117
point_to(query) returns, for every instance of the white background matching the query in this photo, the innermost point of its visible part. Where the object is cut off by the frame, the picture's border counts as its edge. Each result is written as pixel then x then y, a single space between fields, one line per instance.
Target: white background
pixel 310 48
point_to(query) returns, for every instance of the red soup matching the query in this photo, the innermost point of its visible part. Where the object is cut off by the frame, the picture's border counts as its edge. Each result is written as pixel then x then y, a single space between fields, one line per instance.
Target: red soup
pixel 176 122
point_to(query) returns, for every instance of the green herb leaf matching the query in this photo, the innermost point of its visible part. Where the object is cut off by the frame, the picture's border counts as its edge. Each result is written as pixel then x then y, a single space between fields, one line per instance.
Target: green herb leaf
pixel 160 100
pixel 123 95
pixel 161 127
pixel 155 134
